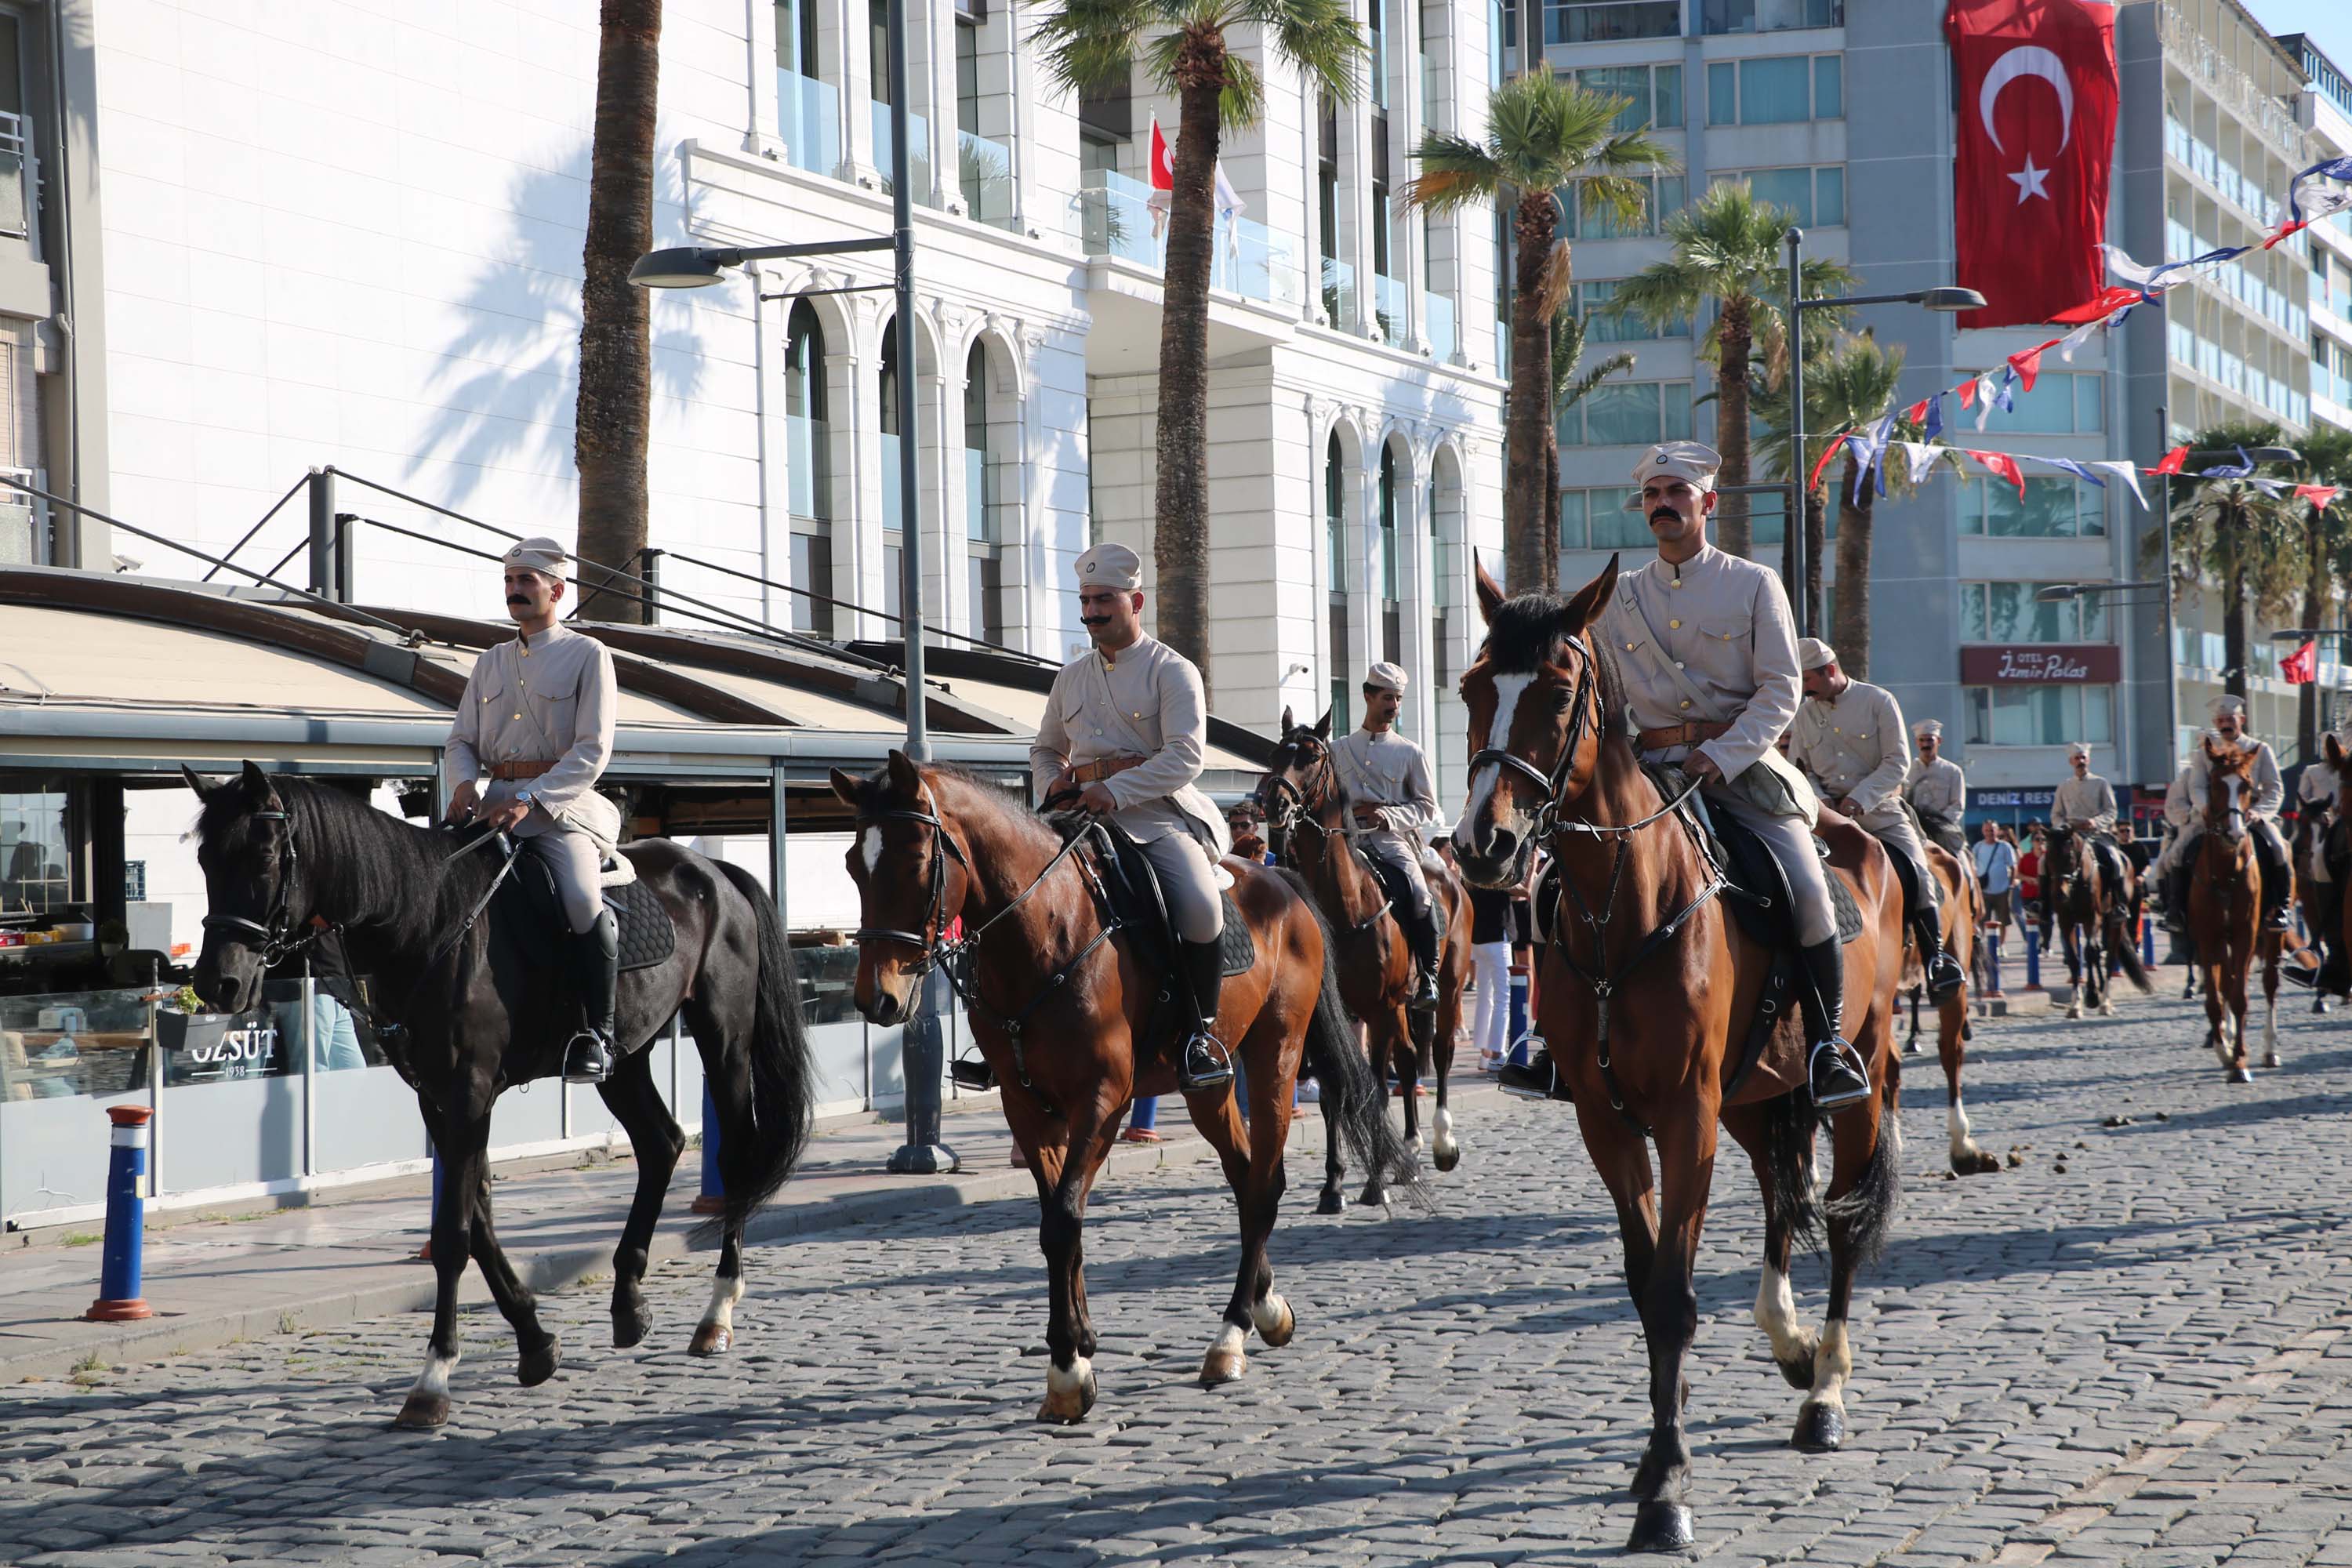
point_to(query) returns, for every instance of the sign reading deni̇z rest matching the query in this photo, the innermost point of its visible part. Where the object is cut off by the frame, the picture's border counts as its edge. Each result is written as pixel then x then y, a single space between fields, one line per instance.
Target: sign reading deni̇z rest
pixel 2040 664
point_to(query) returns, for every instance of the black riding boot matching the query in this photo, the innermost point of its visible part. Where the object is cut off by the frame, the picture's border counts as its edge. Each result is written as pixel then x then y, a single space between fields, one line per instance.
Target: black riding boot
pixel 2176 899
pixel 2336 974
pixel 2278 886
pixel 1540 1079
pixel 1835 1068
pixel 1424 935
pixel 1207 1064
pixel 1944 972
pixel 595 955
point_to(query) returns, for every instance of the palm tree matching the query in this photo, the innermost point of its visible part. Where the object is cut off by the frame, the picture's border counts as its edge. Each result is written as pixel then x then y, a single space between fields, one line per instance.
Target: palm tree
pixel 1856 382
pixel 2327 550
pixel 612 416
pixel 1183 45
pixel 1545 135
pixel 1569 386
pixel 2233 532
pixel 1726 252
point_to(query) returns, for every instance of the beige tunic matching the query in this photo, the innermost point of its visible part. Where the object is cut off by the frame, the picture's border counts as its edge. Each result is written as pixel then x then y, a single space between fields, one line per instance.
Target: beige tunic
pixel 1385 770
pixel 2270 789
pixel 551 697
pixel 2318 785
pixel 2087 802
pixel 1855 747
pixel 1145 701
pixel 1937 789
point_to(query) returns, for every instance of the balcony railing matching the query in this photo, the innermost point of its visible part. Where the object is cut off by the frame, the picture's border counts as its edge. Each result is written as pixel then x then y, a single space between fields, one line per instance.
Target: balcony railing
pixel 808 112
pixel 1256 263
pixel 985 170
pixel 919 160
pixel 1338 291
pixel 1437 323
pixel 1249 260
pixel 1388 307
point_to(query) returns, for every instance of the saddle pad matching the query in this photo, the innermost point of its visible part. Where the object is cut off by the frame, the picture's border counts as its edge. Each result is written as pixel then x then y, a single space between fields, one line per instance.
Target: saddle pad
pixel 1748 862
pixel 648 936
pixel 1133 889
pixel 1240 948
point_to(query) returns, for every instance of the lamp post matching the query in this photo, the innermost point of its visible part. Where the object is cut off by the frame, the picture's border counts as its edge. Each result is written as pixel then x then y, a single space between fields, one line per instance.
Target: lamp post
pixel 922 1051
pixel 1944 299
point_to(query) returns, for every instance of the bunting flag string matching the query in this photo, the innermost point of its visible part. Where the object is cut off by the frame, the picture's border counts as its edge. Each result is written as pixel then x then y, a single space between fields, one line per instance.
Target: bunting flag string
pixel 1869 448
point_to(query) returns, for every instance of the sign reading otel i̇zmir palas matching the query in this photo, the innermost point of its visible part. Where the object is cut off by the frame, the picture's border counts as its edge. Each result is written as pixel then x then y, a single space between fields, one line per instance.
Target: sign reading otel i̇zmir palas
pixel 2036 664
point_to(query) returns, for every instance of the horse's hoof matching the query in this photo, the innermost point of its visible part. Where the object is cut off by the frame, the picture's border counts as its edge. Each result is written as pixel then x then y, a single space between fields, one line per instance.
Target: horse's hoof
pixel 1446 1156
pixel 1799 1372
pixel 1275 1322
pixel 2073 1011
pixel 423 1412
pixel 1412 1144
pixel 537 1366
pixel 631 1324
pixel 1662 1527
pixel 1975 1163
pixel 1912 1048
pixel 1222 1365
pixel 2241 1075
pixel 711 1339
pixel 2270 1059
pixel 1068 1394
pixel 1820 1428
pixel 1375 1196
pixel 1333 1201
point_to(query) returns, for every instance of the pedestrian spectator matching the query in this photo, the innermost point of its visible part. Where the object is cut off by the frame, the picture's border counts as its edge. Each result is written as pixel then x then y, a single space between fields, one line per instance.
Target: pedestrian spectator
pixel 1996 872
pixel 1143 1122
pixel 1490 953
pixel 1247 826
pixel 2029 871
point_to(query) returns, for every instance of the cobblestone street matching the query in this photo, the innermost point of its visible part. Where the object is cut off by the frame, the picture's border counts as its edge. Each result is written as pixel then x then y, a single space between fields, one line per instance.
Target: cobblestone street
pixel 2126 1348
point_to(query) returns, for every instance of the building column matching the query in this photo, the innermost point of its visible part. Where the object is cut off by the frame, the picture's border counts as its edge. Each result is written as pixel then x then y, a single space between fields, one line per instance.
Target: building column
pixel 937 53
pixel 846 55
pixel 762 138
pixel 768 333
pixel 1354 247
pixel 853 388
pixel 1405 250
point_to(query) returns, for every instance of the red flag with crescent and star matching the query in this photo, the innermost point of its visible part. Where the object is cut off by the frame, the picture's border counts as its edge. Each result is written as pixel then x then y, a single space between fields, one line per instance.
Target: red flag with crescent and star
pixel 2037 132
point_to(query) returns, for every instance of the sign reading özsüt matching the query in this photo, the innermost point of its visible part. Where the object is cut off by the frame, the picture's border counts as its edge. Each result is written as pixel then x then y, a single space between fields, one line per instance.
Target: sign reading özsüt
pixel 2036 664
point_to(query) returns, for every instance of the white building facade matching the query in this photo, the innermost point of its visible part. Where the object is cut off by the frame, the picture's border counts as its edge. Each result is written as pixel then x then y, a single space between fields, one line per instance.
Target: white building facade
pixel 346 236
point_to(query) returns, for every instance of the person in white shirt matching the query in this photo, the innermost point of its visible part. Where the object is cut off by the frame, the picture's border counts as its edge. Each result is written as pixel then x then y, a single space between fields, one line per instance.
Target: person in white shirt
pixel 2229 714
pixel 1996 860
pixel 1394 804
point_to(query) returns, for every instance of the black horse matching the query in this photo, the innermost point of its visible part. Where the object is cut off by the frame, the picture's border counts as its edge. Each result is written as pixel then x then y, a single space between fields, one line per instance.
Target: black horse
pixel 473 1010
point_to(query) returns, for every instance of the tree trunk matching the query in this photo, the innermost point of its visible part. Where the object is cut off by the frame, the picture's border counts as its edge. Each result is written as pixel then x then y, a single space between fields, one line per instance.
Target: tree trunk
pixel 1732 533
pixel 1852 633
pixel 1551 502
pixel 1179 540
pixel 2315 606
pixel 2233 634
pixel 1816 530
pixel 613 415
pixel 1530 559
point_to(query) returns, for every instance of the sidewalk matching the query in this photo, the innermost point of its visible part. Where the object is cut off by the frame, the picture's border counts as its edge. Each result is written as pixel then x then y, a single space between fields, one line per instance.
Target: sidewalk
pixel 219 1278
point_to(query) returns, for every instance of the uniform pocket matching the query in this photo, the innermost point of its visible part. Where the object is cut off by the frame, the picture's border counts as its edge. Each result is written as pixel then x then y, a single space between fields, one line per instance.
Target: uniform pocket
pixel 1728 628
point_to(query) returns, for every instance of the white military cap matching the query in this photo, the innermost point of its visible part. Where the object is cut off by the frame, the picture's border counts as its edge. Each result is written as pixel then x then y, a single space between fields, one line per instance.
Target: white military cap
pixel 1929 730
pixel 1693 460
pixel 2079 749
pixel 1386 676
pixel 540 553
pixel 1109 565
pixel 2227 704
pixel 1812 653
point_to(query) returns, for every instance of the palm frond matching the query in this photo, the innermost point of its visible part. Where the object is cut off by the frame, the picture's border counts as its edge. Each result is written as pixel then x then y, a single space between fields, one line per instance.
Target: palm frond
pixel 1319 37
pixel 1087 45
pixel 1552 292
pixel 1455 172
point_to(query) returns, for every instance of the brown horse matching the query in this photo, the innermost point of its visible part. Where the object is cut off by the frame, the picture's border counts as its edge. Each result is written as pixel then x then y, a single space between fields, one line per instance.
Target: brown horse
pixel 1964 918
pixel 2225 915
pixel 1307 815
pixel 1647 985
pixel 2091 916
pixel 1075 1030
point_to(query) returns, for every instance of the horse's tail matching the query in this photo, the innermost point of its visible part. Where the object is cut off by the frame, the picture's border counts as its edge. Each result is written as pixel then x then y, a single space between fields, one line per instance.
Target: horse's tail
pixel 1354 1090
pixel 1867 1210
pixel 1788 1157
pixel 2127 945
pixel 783 1078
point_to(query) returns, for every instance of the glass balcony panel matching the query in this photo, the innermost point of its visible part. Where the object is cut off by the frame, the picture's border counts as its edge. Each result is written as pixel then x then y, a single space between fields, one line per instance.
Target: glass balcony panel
pixel 809 116
pixel 1115 218
pixel 1255 262
pixel 919 160
pixel 1338 291
pixel 1437 323
pixel 15 199
pixel 1389 307
pixel 985 171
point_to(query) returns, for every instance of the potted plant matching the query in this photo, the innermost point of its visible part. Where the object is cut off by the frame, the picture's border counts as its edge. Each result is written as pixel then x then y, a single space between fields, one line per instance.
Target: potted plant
pixel 181 1023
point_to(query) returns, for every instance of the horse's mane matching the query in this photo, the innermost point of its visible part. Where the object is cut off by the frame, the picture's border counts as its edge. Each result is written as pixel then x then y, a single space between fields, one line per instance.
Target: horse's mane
pixel 1019 819
pixel 355 858
pixel 1525 633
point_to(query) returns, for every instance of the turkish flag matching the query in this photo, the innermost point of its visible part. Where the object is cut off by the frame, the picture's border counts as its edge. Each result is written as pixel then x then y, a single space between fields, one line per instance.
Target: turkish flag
pixel 2037 132
pixel 1164 165
pixel 2301 667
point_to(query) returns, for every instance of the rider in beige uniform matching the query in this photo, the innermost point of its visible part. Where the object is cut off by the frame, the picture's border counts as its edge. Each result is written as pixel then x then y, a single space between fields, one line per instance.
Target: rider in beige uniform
pixel 2229 715
pixel 537 716
pixel 1387 780
pixel 2085 805
pixel 1848 737
pixel 1937 790
pixel 1128 726
pixel 1708 651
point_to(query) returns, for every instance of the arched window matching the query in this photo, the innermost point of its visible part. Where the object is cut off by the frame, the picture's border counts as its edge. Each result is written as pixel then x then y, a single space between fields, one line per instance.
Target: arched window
pixel 1392 553
pixel 1335 537
pixel 892 502
pixel 982 545
pixel 809 459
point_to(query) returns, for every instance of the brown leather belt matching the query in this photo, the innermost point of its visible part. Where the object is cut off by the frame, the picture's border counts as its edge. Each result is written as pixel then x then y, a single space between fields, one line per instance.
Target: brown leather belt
pixel 1689 735
pixel 1102 768
pixel 512 772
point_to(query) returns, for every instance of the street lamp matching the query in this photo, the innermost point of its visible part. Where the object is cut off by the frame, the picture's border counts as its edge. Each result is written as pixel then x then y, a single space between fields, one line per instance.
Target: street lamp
pixel 1945 298
pixel 2058 593
pixel 694 266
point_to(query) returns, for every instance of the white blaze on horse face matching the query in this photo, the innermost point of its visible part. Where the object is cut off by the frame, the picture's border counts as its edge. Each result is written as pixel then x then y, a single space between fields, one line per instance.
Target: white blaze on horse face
pixel 870 846
pixel 1508 689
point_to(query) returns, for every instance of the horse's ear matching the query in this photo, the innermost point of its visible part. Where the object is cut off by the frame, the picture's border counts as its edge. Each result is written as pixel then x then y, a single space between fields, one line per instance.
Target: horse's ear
pixel 847 786
pixel 1490 593
pixel 1287 724
pixel 1323 726
pixel 1578 612
pixel 194 782
pixel 904 776
pixel 2335 751
pixel 257 785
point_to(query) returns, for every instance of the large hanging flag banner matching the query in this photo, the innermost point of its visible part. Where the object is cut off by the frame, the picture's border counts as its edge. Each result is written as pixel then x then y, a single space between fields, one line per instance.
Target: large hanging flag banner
pixel 2037 132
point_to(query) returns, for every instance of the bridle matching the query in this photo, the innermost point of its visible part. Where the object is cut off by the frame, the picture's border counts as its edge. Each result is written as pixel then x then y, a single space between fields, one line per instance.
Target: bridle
pixel 278 941
pixel 1303 807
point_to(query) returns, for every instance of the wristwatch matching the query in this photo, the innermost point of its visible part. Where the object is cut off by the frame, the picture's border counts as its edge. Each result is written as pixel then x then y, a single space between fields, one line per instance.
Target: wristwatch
pixel 525 798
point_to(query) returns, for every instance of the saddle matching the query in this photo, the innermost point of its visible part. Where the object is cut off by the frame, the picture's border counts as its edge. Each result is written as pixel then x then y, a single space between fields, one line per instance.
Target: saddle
pixel 1130 887
pixel 532 913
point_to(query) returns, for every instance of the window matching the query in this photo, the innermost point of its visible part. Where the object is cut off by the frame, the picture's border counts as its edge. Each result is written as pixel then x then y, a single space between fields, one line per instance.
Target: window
pixel 1814 197
pixel 1597 519
pixel 1665 198
pixel 2061 404
pixel 1656 94
pixel 1392 496
pixel 1606 327
pixel 1601 21
pixel 1779 90
pixel 2049 509
pixel 809 457
pixel 1375 66
pixel 1335 545
pixel 983 545
pixel 2009 613
pixel 36 845
pixel 1629 414
pixel 2039 715
pixel 1720 17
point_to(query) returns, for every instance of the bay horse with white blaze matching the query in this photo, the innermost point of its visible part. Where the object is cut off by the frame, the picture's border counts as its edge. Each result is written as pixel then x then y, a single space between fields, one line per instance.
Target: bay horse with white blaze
pixel 468 1009
pixel 1075 1030
pixel 2225 915
pixel 1645 983
pixel 1307 815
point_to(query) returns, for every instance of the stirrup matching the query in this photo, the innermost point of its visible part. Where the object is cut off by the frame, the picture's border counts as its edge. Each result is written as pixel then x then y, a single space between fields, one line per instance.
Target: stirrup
pixel 972 1073
pixel 1538 1079
pixel 1842 1089
pixel 1217 1070
pixel 587 1057
pixel 1945 976
pixel 1425 994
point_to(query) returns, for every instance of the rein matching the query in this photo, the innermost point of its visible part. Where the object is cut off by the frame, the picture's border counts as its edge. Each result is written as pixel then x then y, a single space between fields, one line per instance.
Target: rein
pixel 1300 809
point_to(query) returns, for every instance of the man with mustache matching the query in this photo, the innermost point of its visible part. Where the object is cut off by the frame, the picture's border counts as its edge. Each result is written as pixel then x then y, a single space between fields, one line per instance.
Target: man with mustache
pixel 2229 714
pixel 1128 726
pixel 1387 780
pixel 2085 805
pixel 537 716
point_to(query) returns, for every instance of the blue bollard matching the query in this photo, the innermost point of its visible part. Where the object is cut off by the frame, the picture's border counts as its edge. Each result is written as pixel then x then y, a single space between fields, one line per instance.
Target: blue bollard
pixel 1992 960
pixel 2146 941
pixel 1517 1052
pixel 119 1300
pixel 713 1196
pixel 2033 958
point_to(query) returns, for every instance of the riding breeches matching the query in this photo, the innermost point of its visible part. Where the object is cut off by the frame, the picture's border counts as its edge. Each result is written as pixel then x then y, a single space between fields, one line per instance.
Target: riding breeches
pixel 2270 848
pixel 1891 826
pixel 571 858
pixel 1402 855
pixel 1188 881
pixel 1792 845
